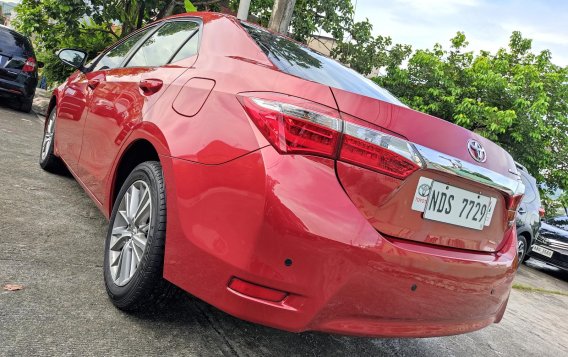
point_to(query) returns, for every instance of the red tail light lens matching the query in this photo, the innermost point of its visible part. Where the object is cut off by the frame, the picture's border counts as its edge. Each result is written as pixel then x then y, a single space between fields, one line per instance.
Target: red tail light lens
pixel 378 151
pixel 541 212
pixel 30 65
pixel 292 129
pixel 514 202
pixel 307 128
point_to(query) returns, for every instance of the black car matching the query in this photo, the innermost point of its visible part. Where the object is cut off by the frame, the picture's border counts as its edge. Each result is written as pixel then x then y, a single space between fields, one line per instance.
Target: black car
pixel 18 69
pixel 551 246
pixel 528 215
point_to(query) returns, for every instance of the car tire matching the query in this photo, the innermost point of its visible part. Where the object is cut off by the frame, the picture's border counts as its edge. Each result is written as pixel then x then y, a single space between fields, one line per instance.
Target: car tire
pixel 26 104
pixel 522 248
pixel 136 240
pixel 47 159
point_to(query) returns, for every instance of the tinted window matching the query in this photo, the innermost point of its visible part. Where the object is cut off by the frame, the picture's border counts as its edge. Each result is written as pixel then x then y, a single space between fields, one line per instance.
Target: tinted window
pixel 163 45
pixel 114 57
pixel 14 44
pixel 301 61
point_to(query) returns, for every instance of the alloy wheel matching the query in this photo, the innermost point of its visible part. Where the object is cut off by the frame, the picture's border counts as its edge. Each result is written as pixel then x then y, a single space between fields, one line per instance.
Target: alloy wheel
pixel 48 135
pixel 130 232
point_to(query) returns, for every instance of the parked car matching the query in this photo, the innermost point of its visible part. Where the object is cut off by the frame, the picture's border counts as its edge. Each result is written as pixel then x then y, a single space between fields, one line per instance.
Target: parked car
pixel 18 68
pixel 529 214
pixel 551 246
pixel 282 187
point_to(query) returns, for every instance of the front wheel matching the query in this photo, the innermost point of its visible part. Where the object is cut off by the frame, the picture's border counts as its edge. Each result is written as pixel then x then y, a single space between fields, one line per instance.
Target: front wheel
pixel 134 248
pixel 47 159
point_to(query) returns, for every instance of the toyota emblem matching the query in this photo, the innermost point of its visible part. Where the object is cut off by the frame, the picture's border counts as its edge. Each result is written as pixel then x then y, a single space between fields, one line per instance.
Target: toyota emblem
pixel 476 150
pixel 424 190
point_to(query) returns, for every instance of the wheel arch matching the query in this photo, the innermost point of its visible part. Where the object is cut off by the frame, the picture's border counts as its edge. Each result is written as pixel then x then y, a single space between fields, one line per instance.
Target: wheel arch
pixel 137 152
pixel 528 236
pixel 50 106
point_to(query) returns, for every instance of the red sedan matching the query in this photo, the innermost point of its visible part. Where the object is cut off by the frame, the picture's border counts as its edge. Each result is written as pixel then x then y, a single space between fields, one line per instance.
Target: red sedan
pixel 281 186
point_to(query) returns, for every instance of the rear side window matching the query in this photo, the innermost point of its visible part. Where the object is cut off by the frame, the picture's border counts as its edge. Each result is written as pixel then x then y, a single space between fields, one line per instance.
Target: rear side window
pixel 114 57
pixel 15 45
pixel 166 44
pixel 530 193
pixel 301 61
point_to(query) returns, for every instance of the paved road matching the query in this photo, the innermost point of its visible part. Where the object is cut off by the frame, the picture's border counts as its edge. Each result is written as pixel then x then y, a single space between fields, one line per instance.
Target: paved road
pixel 51 242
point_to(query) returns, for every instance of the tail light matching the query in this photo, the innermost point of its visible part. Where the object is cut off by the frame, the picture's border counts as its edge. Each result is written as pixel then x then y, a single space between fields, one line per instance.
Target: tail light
pixel 305 127
pixel 30 65
pixel 541 212
pixel 378 151
pixel 513 203
pixel 295 130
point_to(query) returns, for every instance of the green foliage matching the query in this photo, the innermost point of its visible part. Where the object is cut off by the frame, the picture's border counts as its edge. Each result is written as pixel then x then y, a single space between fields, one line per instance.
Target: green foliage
pixel 513 97
pixel 90 25
pixel 356 46
pixel 364 53
pixel 189 6
pixel 310 16
pixel 554 207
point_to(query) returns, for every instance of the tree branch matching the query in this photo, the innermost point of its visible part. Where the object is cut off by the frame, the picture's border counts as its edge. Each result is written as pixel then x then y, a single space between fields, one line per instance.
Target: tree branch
pixel 206 3
pixel 87 30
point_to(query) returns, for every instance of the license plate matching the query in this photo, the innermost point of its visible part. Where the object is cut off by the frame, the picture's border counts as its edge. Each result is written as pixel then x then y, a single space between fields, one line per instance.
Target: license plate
pixel 449 204
pixel 542 250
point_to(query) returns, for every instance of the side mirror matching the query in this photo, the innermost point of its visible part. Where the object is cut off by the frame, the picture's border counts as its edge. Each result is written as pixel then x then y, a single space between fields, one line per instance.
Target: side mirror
pixel 40 64
pixel 72 57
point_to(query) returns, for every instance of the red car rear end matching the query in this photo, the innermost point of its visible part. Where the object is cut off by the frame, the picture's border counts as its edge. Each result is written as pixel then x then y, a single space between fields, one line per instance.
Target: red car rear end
pixel 302 196
pixel 331 227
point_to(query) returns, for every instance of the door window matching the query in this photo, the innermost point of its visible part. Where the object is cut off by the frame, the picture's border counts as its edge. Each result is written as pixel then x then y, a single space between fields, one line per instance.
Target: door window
pixel 114 57
pixel 165 44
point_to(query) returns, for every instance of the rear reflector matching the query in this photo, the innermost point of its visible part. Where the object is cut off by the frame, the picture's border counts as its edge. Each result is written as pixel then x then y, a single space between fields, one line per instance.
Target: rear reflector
pixel 309 128
pixel 256 291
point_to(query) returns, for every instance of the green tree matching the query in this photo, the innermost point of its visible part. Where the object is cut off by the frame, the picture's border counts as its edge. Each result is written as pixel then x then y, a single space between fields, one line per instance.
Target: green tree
pixel 355 44
pixel 364 52
pixel 90 24
pixel 310 16
pixel 514 97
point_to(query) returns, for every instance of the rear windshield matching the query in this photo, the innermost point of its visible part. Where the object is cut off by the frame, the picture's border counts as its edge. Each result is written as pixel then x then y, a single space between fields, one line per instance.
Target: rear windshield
pixel 301 61
pixel 14 44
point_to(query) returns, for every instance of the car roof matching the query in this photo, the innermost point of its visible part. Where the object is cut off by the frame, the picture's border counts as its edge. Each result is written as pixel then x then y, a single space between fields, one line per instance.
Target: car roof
pixel 11 30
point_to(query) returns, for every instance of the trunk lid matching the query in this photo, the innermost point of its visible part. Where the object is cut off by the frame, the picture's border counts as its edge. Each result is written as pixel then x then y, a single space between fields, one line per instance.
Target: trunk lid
pixel 387 202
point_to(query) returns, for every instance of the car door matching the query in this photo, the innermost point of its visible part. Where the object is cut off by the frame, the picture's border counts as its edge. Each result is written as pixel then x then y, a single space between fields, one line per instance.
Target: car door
pixel 125 93
pixel 75 100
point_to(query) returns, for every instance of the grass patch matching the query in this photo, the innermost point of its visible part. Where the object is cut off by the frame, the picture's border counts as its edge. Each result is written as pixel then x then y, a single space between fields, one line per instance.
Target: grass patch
pixel 538 290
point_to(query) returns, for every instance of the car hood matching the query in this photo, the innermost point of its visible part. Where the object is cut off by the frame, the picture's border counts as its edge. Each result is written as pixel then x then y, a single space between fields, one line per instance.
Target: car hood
pixel 551 231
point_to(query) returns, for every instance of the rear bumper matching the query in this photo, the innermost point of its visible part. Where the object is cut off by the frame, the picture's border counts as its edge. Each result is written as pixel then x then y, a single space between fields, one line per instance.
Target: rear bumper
pixel 13 89
pixel 247 217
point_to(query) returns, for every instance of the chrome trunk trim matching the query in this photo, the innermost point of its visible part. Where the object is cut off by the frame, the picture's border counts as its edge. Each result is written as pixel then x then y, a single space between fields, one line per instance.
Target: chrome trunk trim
pixel 438 161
